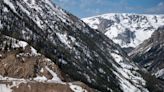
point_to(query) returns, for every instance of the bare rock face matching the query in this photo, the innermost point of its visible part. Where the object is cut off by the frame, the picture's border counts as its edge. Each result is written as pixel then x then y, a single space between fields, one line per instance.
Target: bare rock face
pixel 34 86
pixel 31 86
pixel 22 69
pixel 42 87
pixel 39 87
pixel 20 60
pixel 13 65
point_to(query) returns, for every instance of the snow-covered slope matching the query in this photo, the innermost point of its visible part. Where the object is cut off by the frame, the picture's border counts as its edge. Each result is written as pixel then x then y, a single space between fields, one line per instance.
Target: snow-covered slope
pixel 128 30
pixel 150 53
pixel 81 52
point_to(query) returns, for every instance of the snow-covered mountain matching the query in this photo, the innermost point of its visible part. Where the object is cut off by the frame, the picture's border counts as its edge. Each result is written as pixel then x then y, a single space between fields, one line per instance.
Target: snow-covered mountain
pixel 128 30
pixel 82 53
pixel 150 53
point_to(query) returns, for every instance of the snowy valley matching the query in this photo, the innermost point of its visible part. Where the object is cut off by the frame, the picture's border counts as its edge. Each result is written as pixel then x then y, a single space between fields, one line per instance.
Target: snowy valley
pixel 140 35
pixel 44 48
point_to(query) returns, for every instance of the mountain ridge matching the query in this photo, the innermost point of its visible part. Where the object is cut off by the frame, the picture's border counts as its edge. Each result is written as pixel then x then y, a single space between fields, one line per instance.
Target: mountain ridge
pixel 127 30
pixel 122 13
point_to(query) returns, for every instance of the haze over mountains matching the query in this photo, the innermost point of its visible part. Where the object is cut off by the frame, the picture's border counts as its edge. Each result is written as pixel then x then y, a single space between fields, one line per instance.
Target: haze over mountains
pixel 43 48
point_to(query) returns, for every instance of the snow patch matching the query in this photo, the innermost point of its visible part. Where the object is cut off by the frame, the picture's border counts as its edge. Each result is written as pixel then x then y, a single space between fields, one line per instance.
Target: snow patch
pixel 1 25
pixel 55 77
pixel 20 44
pixel 5 88
pixel 23 9
pixel 63 38
pixel 33 2
pixel 160 73
pixel 40 78
pixel 102 71
pixel 33 51
pixel 88 78
pixel 63 61
pixel 76 88
pixel 42 70
pixel 5 9
pixel 9 3
pixel 117 57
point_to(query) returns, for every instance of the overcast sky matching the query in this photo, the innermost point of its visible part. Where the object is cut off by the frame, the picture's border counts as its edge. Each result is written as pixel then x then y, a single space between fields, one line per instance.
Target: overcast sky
pixel 86 8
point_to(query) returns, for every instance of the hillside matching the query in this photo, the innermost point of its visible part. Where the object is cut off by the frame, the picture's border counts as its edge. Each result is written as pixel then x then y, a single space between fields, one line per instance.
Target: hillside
pixel 81 53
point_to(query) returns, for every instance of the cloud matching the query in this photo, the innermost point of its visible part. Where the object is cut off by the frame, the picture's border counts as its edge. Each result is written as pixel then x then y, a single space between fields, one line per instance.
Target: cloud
pixel 158 9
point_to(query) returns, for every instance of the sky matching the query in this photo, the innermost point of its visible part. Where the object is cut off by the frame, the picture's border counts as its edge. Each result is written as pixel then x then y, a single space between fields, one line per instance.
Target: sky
pixel 87 8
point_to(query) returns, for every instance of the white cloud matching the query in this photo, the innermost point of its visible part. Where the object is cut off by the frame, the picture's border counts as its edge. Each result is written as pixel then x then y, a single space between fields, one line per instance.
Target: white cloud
pixel 161 4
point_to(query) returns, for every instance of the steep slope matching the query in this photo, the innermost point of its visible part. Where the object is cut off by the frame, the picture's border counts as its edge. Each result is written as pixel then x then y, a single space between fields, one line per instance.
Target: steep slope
pixel 22 69
pixel 150 53
pixel 81 52
pixel 127 30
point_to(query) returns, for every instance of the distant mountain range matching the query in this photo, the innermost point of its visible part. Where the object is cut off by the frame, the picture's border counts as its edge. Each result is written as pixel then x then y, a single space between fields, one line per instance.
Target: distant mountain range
pixel 127 30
